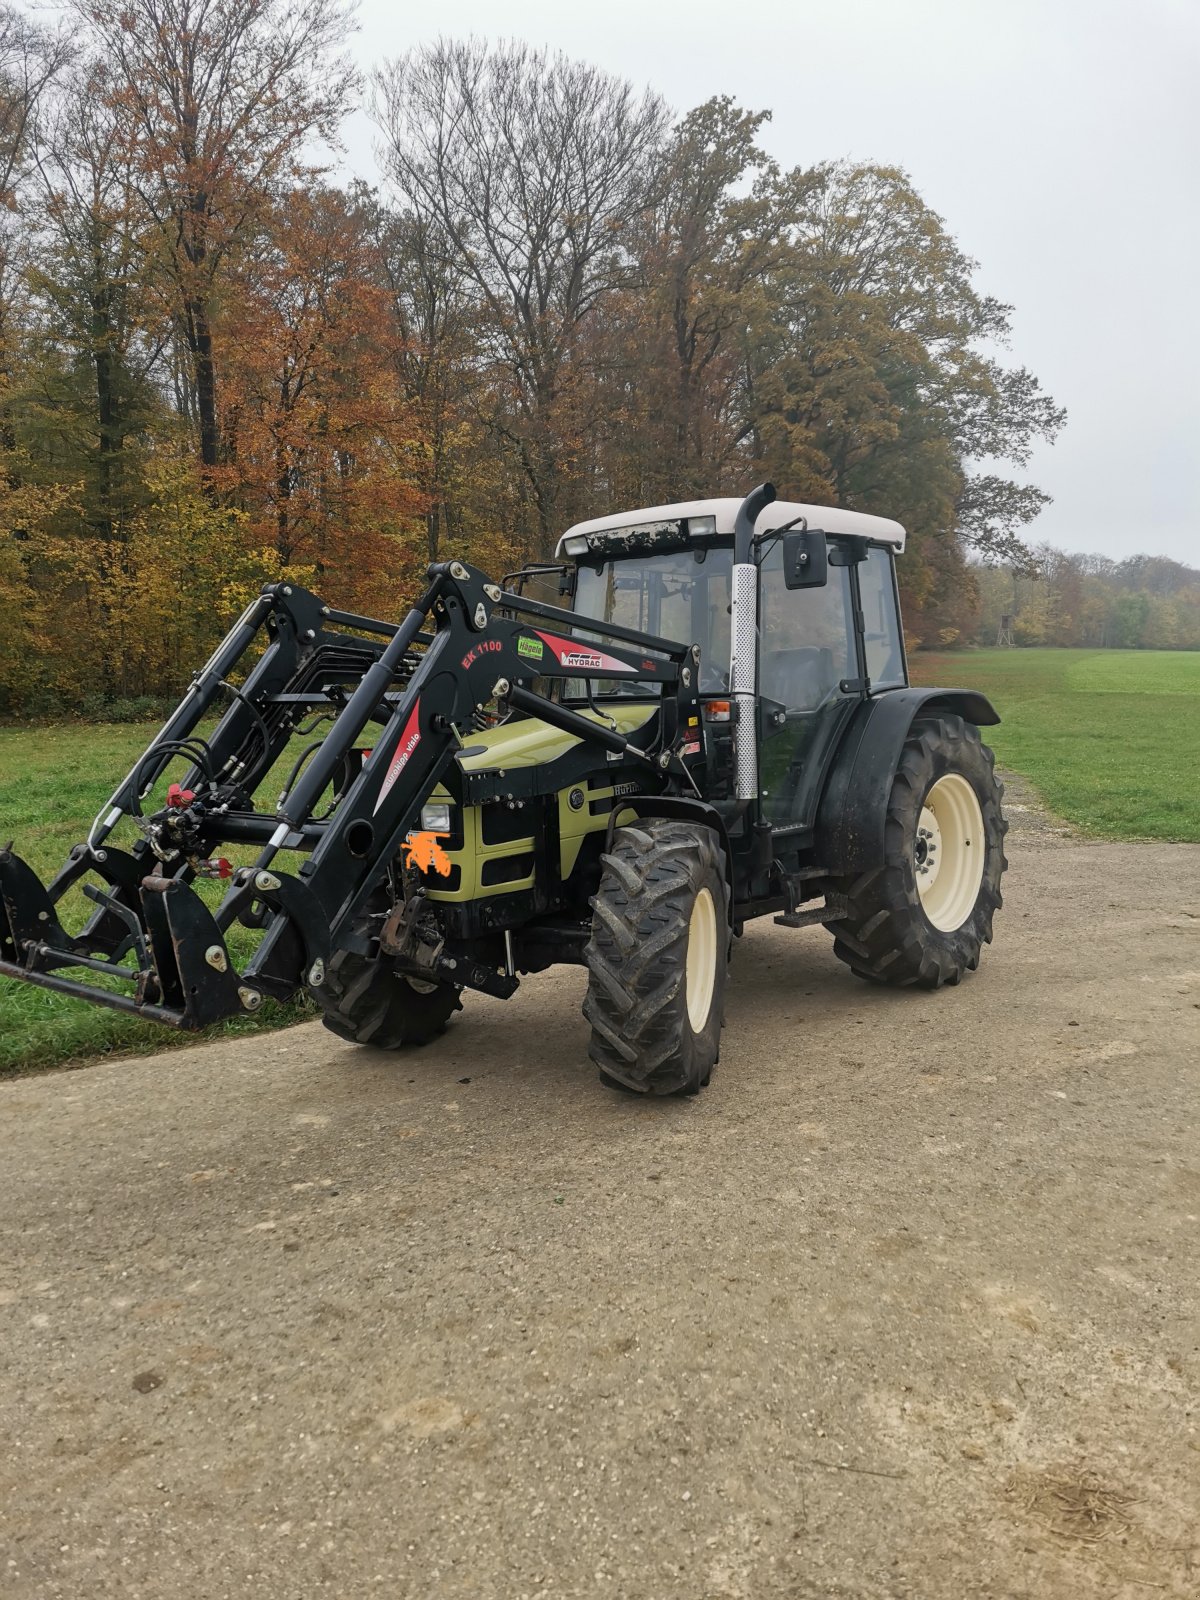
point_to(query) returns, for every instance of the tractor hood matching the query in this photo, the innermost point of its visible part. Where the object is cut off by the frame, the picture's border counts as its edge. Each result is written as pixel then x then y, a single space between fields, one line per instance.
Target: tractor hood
pixel 531 742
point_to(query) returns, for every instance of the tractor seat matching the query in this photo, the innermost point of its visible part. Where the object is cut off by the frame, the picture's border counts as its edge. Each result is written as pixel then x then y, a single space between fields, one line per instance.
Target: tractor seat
pixel 799 679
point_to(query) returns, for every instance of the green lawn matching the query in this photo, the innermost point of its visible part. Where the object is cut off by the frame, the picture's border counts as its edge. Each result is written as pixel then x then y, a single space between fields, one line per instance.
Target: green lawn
pixel 1109 738
pixel 53 781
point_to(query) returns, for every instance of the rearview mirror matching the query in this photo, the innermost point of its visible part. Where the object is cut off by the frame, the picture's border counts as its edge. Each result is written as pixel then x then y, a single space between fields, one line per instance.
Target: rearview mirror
pixel 805 559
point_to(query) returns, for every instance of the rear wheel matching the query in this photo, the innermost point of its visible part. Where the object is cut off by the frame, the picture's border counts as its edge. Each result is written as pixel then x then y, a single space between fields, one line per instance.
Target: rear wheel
pixel 924 916
pixel 658 958
pixel 366 1002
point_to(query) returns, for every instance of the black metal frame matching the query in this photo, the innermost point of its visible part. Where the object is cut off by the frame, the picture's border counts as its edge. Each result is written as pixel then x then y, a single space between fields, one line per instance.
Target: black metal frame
pixel 466 644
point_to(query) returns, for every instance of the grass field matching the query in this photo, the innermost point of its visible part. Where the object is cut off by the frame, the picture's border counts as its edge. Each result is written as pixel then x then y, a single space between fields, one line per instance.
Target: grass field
pixel 1109 738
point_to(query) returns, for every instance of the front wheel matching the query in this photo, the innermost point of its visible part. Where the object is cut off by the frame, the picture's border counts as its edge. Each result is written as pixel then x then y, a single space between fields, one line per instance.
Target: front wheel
pixel 365 1001
pixel 658 958
pixel 924 916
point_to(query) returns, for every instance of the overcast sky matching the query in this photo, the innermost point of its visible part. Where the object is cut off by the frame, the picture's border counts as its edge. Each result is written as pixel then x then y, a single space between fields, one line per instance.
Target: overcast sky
pixel 1059 141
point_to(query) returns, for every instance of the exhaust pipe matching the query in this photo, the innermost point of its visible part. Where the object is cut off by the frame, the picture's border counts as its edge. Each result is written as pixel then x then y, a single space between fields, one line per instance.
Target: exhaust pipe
pixel 743 634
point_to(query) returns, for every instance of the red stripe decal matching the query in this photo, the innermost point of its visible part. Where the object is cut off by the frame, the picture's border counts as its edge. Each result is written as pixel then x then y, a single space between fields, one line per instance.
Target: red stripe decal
pixel 583 656
pixel 409 740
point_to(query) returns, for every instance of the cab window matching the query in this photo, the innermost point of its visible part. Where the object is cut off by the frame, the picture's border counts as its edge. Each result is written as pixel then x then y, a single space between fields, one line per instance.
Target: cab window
pixel 806 642
pixel 681 595
pixel 881 620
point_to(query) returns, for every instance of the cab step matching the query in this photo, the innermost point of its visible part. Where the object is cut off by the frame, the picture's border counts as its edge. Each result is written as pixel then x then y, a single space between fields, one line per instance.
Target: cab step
pixel 831 909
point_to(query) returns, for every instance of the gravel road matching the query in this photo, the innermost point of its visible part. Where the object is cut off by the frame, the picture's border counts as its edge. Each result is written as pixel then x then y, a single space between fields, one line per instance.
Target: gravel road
pixel 907 1304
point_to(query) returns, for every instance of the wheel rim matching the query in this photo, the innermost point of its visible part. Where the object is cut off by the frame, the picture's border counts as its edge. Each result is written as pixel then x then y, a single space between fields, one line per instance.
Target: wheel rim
pixel 701 959
pixel 949 852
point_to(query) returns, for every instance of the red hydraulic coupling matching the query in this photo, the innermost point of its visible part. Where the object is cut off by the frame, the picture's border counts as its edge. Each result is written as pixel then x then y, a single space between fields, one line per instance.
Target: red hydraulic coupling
pixel 216 867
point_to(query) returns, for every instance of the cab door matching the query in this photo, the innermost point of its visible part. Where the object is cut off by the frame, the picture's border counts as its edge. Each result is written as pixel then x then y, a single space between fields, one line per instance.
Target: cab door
pixel 809 683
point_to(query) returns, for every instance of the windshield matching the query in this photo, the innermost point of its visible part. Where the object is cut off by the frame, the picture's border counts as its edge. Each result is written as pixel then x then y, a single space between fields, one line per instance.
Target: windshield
pixel 680 595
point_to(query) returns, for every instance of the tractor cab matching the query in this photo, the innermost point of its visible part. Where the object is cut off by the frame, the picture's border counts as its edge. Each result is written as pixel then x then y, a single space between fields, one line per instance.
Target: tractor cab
pixel 826 630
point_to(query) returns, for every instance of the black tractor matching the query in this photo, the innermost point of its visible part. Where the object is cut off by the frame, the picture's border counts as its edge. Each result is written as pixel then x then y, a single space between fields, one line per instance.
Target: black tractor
pixel 699 715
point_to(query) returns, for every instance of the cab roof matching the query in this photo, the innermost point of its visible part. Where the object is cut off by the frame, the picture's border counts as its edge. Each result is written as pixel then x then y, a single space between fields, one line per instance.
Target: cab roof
pixel 833 519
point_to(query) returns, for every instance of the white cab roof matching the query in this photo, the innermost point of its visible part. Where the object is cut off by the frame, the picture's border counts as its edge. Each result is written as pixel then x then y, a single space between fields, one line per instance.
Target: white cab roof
pixel 831 518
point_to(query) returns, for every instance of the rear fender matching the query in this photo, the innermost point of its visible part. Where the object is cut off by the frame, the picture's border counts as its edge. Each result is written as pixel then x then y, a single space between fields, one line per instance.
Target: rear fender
pixel 849 832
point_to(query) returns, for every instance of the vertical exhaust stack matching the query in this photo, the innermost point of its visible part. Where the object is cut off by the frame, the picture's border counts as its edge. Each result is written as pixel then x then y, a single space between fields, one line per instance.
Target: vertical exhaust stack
pixel 743 660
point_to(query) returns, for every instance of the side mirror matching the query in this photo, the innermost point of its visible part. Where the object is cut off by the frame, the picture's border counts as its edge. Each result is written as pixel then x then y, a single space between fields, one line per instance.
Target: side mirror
pixel 805 559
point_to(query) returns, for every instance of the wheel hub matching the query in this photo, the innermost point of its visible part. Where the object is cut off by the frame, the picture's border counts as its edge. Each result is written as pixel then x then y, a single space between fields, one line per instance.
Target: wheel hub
pixel 949 852
pixel 927 852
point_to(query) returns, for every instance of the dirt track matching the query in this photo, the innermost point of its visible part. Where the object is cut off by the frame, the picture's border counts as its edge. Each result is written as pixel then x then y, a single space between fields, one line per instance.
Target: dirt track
pixel 906 1304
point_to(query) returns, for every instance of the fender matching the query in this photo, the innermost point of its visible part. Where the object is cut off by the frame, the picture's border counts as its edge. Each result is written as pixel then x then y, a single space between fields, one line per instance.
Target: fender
pixel 678 808
pixel 850 817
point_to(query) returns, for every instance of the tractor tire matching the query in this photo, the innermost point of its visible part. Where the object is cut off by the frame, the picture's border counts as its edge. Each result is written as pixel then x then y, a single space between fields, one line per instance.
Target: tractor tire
pixel 658 958
pixel 923 917
pixel 365 1002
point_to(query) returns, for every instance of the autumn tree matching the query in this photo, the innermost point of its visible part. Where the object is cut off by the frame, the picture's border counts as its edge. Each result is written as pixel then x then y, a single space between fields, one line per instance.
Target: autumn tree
pixel 217 102
pixel 434 306
pixel 30 59
pixel 100 332
pixel 705 250
pixel 532 170
pixel 320 446
pixel 886 350
pixel 878 375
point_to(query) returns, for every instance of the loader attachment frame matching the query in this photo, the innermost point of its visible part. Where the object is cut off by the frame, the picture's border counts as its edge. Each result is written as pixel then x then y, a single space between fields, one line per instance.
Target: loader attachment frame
pixel 419 687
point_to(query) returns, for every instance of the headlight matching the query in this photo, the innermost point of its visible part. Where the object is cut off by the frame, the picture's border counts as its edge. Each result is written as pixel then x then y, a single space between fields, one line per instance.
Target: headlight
pixel 702 527
pixel 435 819
pixel 576 545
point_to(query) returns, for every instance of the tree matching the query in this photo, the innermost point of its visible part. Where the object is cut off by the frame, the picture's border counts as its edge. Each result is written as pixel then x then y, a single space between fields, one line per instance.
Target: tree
pixel 532 170
pixel 434 310
pixel 216 102
pixel 705 251
pixel 321 450
pixel 30 59
pixel 875 383
pixel 100 330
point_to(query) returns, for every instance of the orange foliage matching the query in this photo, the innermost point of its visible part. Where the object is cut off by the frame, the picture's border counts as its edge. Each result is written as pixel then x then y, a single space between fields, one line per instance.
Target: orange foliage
pixel 320 449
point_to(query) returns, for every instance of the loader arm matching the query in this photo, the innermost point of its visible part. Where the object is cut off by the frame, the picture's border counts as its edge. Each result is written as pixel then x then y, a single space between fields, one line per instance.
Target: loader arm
pixel 418 688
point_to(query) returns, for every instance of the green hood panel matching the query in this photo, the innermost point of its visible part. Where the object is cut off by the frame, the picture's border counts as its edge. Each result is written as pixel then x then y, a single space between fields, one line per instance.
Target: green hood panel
pixel 532 742
pixel 485 870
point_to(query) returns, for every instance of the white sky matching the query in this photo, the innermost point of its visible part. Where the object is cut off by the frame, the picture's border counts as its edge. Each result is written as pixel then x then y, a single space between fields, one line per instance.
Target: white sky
pixel 1059 140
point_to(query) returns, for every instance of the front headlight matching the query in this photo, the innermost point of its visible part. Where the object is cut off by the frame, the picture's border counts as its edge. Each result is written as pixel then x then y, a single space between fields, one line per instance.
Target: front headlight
pixel 576 545
pixel 435 818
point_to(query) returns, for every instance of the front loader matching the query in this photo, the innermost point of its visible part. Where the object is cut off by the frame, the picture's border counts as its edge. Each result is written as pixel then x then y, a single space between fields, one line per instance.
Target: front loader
pixel 717 725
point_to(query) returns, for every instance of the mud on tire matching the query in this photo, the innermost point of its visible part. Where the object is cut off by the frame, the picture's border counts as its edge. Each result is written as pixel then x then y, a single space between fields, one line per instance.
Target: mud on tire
pixel 886 935
pixel 656 1014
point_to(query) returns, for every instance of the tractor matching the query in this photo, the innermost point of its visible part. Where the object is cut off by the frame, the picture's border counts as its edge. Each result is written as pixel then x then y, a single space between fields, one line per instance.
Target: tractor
pixel 697 715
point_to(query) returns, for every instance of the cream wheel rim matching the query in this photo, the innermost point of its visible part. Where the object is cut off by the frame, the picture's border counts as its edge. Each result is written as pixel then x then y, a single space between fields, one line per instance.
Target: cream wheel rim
pixel 949 852
pixel 701 959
